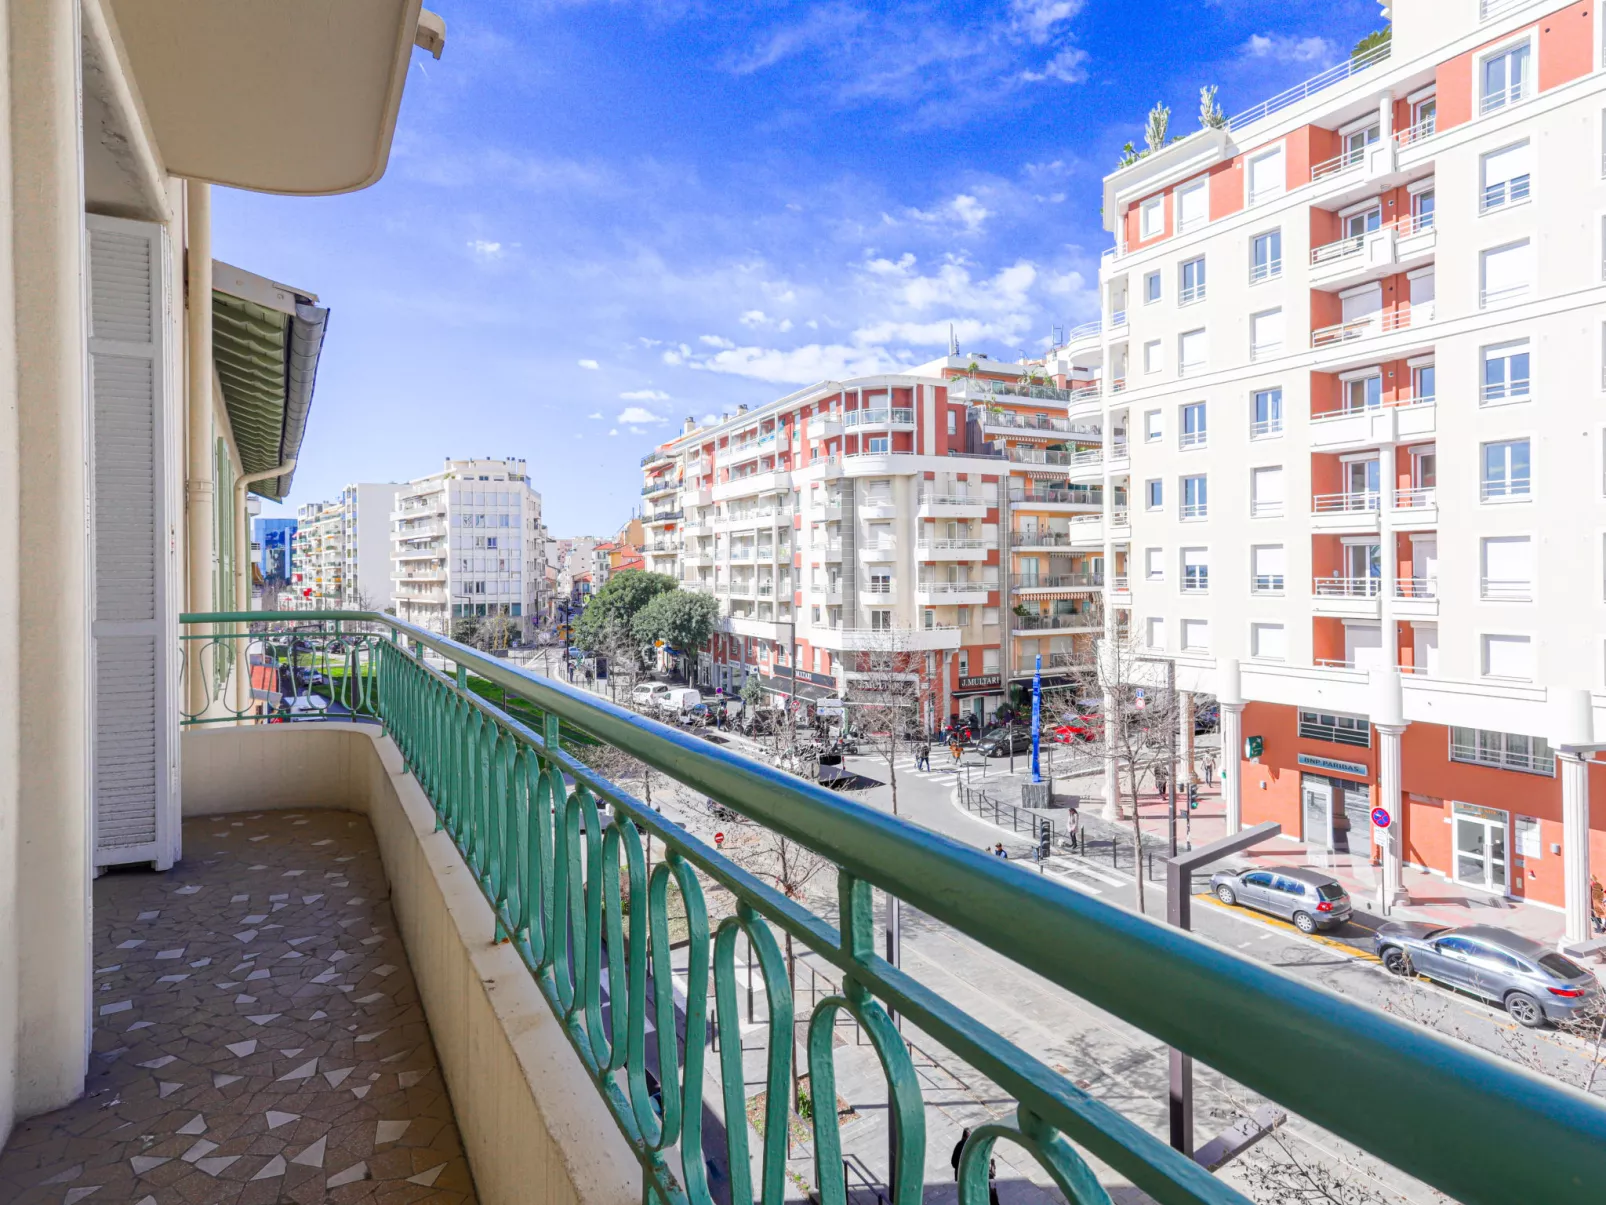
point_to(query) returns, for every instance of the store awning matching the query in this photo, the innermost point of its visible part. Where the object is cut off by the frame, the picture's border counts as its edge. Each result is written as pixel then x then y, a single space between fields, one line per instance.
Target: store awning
pixel 266 342
pixel 806 691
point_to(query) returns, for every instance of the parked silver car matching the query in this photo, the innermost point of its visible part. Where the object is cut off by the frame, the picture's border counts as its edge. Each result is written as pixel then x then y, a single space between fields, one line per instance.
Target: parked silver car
pixel 1309 898
pixel 1533 982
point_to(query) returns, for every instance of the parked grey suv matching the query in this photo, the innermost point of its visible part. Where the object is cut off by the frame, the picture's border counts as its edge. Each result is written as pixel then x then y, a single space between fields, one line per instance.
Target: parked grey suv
pixel 1309 898
pixel 1533 982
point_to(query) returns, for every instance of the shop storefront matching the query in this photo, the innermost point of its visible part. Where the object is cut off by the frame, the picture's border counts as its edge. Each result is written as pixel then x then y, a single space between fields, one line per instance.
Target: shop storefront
pixel 1335 804
pixel 978 696
pixel 1481 843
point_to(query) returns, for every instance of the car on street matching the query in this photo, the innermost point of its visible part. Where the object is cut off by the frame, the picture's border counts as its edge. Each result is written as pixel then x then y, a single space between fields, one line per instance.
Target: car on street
pixel 647 694
pixel 1532 982
pixel 1076 728
pixel 1309 898
pixel 1001 742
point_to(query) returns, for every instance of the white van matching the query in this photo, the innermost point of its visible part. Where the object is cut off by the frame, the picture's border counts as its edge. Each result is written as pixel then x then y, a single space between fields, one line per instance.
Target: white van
pixel 677 699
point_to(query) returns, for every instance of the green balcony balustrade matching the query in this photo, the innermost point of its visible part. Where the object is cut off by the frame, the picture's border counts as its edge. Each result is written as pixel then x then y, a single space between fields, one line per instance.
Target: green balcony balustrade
pixel 558 852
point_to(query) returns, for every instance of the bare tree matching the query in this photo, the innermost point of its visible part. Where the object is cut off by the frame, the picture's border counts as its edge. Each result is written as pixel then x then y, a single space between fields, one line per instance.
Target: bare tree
pixel 887 695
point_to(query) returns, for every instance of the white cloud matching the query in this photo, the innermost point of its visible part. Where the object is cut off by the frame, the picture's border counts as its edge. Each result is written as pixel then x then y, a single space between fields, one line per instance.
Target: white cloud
pixel 800 365
pixel 963 211
pixel 484 250
pixel 709 419
pixel 1068 66
pixel 595 414
pixel 644 395
pixel 614 431
pixel 714 341
pixel 637 414
pixel 591 364
pixel 969 211
pixel 1038 19
pixel 1286 48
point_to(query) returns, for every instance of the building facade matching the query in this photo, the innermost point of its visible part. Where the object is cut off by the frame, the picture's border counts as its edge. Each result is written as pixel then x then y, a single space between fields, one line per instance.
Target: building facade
pixel 940 518
pixel 342 549
pixel 467 542
pixel 1283 294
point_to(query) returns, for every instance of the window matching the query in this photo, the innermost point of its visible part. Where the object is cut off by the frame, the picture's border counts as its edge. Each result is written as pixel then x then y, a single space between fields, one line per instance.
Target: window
pixel 1151 288
pixel 1265 333
pixel 953 422
pixel 879 443
pixel 1194 433
pixel 1505 470
pixel 1193 205
pixel 1267 177
pixel 1153 426
pixel 1265 413
pixel 1422 211
pixel 962 616
pixel 1156 494
pixel 881 621
pixel 1151 218
pixel 1502 750
pixel 1505 79
pixel 1192 282
pixel 1267 563
pixel 1507 273
pixel 1195 497
pixel 1505 373
pixel 1265 256
pixel 1154 564
pixel 1196 635
pixel 1363 393
pixel 1190 352
pixel 1422 382
pixel 1266 492
pixel 1508 657
pixel 1358 225
pixel 1505 176
pixel 1339 729
pixel 1508 569
pixel 1268 641
pixel 964 664
pixel 1151 356
pixel 1195 570
pixel 1356 142
pixel 1154 632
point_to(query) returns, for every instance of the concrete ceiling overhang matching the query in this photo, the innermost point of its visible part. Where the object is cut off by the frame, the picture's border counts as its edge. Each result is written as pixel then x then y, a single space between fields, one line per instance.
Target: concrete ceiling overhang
pixel 282 96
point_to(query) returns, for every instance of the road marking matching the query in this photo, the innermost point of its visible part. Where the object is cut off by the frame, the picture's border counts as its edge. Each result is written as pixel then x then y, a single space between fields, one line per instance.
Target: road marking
pixel 1074 883
pixel 1273 922
pixel 1107 879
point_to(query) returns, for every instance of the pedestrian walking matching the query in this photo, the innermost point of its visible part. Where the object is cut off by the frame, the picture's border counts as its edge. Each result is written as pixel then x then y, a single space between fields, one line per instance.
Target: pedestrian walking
pixel 958 751
pixel 1159 783
pixel 923 756
pixel 959 1149
pixel 1210 769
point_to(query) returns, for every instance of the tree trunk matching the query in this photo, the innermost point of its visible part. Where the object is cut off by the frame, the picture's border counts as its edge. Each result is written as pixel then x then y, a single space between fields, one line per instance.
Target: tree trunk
pixel 1137 833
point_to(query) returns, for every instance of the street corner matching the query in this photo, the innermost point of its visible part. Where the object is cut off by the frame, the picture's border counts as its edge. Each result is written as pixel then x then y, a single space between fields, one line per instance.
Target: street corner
pixel 1353 938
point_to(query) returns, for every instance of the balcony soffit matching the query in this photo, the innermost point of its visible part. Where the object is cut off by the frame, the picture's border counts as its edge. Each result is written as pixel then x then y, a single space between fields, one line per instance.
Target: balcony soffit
pixel 296 97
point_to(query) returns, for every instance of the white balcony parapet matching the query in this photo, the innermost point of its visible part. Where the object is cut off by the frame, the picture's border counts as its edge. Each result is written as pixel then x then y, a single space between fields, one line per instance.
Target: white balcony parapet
pixel 1416 587
pixel 1348 587
pixel 1423 129
pixel 1373 324
pixel 880 416
pixel 1506 590
pixel 1419 498
pixel 1356 503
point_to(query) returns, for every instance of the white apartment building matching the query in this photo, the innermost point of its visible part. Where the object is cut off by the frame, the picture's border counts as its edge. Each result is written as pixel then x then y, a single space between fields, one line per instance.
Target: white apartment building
pixel 468 542
pixel 881 514
pixel 342 549
pixel 1397 583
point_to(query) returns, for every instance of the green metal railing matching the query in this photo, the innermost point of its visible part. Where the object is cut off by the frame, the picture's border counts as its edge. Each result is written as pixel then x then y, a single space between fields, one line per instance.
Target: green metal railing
pixel 566 890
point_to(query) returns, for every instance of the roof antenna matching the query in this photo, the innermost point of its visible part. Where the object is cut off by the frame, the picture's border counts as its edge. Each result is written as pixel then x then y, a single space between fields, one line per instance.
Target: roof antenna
pixel 953 341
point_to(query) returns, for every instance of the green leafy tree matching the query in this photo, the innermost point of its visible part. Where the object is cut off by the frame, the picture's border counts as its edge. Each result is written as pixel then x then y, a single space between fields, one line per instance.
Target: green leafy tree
pixel 1378 37
pixel 682 619
pixel 606 621
pixel 1129 155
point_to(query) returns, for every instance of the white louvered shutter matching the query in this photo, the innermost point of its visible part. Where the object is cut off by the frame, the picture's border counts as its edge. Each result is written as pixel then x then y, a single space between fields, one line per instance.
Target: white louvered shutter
pixel 135 564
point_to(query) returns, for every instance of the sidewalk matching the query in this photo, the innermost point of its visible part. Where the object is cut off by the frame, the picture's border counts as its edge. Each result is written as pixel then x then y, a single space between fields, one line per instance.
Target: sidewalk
pixel 1434 899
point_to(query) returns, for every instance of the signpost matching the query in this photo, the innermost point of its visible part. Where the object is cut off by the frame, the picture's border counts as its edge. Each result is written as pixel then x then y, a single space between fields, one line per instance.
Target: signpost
pixel 1381 817
pixel 1037 718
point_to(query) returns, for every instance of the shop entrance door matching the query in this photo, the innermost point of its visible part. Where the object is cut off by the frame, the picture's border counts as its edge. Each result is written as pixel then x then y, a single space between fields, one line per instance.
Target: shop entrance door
pixel 1480 847
pixel 1316 795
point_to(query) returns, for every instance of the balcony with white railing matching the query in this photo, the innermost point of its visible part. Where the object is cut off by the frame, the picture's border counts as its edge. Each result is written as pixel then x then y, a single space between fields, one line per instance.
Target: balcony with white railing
pixel 1193 439
pixel 1420 132
pixel 1513 93
pixel 890 641
pixel 824 426
pixel 1319 82
pixel 1394 420
pixel 1505 295
pixel 1009 422
pixel 1082 621
pixel 1351 596
pixel 951 506
pixel 1266 428
pixel 1050 498
pixel 1418 504
pixel 1416 597
pixel 1037 583
pixel 1505 489
pixel 1087 332
pixel 880 417
pixel 980 389
pixel 1406 317
pixel 1346 511
pixel 948 594
pixel 954 549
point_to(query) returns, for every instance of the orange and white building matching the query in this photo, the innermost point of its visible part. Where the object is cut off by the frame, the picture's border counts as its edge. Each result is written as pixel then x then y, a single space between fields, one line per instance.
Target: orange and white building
pixel 1397 585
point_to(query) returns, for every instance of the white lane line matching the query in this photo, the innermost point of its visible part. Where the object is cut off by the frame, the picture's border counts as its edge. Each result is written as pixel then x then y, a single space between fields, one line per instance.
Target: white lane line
pixel 1073 882
pixel 1107 879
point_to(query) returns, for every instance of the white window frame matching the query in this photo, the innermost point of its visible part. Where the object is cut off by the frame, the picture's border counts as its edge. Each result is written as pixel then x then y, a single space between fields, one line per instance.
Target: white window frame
pixel 1267 509
pixel 1159 287
pixel 1512 392
pixel 1483 57
pixel 1191 294
pixel 1154 564
pixel 1484 648
pixel 1193 512
pixel 1267 428
pixel 1272 588
pixel 1182 629
pixel 1506 496
pixel 1274 267
pixel 1513 192
pixel 1154 625
pixel 1255 631
pixel 1149 502
pixel 1258 351
pixel 1154 205
pixel 1277 150
pixel 1156 363
pixel 1153 426
pixel 1198 583
pixel 1201 366
pixel 1512 294
pixel 1199 184
pixel 1199 437
pixel 1507 590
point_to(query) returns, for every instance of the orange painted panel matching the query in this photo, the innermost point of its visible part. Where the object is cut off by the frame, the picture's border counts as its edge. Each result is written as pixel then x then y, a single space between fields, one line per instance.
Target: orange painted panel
pixel 1327 638
pixel 1324 392
pixel 1227 188
pixel 1326 555
pixel 1326 474
pixel 1325 309
pixel 1453 89
pixel 1566 45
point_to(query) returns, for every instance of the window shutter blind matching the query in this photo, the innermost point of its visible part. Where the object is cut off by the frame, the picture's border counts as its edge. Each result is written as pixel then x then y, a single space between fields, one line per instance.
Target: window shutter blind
pixel 1266 175
pixel 1508 559
pixel 135 508
pixel 1362 303
pixel 1507 268
pixel 1192 202
pixel 1270 561
pixel 1267 485
pixel 1502 166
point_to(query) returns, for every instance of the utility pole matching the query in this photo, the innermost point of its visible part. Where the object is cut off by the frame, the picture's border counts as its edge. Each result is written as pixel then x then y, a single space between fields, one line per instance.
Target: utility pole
pixel 1171 778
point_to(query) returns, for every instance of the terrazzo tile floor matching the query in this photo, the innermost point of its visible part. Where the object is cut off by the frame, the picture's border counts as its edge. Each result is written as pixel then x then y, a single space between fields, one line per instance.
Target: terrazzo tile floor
pixel 258 1036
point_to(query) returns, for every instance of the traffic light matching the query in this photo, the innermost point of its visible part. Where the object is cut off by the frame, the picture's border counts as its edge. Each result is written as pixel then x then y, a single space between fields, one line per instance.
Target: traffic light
pixel 1193 794
pixel 1044 841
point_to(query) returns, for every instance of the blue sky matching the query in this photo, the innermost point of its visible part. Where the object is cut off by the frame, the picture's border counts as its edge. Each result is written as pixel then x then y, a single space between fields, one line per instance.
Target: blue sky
pixel 600 218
